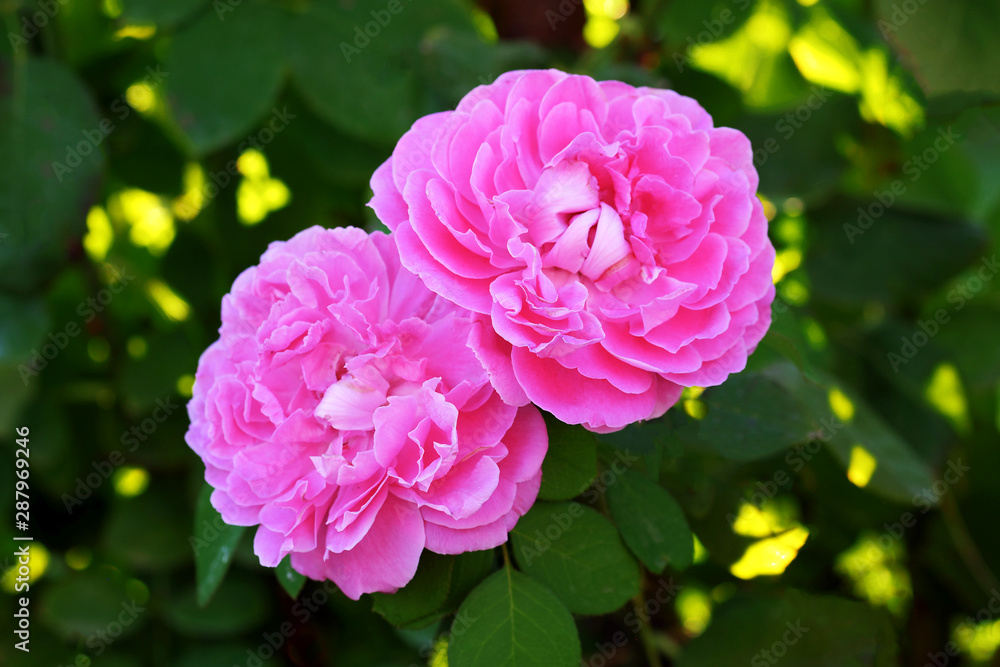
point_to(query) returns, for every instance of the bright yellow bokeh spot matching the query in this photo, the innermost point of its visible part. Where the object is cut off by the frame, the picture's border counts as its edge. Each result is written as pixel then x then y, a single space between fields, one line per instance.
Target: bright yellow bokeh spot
pixel 694 609
pixel 130 481
pixel 78 558
pixel 842 406
pixel 785 262
pixel 190 203
pixel 136 31
pixel 439 658
pixel 150 222
pixel 167 301
pixel 185 385
pixel 826 54
pixel 100 234
pixel 695 409
pixel 770 210
pixel 862 466
pixel 602 21
pixel 774 516
pixel 600 31
pixel 38 562
pixel 700 552
pixel 883 99
pixel 979 641
pixel 141 97
pixel 771 556
pixel 692 392
pixel 748 59
pixel 258 193
pixel 616 8
pixel 945 393
pixel 875 566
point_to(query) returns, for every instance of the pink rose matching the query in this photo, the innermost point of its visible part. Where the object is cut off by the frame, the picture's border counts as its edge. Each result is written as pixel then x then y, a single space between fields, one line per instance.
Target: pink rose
pixel 343 411
pixel 609 238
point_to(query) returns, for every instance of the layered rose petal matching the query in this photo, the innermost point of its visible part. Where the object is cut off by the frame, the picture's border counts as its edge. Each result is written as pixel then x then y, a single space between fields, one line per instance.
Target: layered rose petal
pixel 609 236
pixel 343 411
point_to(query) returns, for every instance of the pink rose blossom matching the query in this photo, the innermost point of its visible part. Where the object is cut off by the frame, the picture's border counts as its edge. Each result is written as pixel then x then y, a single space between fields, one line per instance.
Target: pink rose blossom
pixel 343 411
pixel 609 238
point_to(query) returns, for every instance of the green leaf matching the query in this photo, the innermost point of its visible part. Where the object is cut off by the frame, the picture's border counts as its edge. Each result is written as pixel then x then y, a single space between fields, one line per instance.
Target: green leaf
pixel 289 579
pixel 849 264
pixel 415 605
pixel 576 552
pixel 511 621
pixel 86 603
pixel 752 417
pixel 468 571
pixel 651 522
pixel 164 13
pixel 214 542
pixel 899 474
pixel 214 110
pixel 364 84
pixel 150 532
pixel 801 630
pixel 23 325
pixel 438 588
pixel 950 47
pixel 241 604
pixel 51 168
pixel 570 465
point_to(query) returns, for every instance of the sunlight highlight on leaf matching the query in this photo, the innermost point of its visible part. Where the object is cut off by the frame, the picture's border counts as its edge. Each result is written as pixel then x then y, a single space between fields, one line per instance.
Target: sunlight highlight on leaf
pixel 826 54
pixel 694 608
pixel 774 516
pixel 130 481
pixel 945 393
pixel 141 31
pixel 141 97
pixel 875 565
pixel 700 552
pixel 190 203
pixel 258 194
pixel 842 406
pixel 747 59
pixel 185 385
pixel 862 466
pixel 785 262
pixel 37 565
pixel 602 21
pixel 100 234
pixel 883 98
pixel 981 641
pixel 439 658
pixel 167 301
pixel 150 222
pixel 770 556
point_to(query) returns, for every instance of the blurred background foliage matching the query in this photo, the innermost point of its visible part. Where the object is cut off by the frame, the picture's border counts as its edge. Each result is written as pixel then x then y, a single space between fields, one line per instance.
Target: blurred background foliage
pixel 150 150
